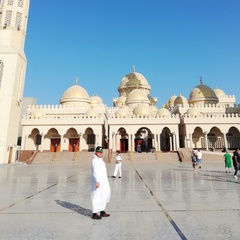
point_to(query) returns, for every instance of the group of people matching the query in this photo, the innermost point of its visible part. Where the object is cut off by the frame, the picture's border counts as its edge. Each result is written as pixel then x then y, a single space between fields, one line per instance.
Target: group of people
pixel 229 160
pixel 196 159
pixel 232 160
pixel 101 192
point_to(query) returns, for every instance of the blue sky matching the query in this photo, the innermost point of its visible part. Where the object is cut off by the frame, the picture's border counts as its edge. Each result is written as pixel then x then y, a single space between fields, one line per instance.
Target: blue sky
pixel 171 42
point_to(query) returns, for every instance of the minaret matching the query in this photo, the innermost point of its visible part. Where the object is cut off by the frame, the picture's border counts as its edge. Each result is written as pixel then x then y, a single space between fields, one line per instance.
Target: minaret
pixel 13 25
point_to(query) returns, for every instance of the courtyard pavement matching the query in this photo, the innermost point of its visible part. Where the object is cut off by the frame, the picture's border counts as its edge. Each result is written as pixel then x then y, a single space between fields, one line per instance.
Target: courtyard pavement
pixel 154 199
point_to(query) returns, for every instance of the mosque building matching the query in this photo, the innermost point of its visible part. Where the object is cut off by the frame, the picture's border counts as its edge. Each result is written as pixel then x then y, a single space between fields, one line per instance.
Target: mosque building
pixel 207 119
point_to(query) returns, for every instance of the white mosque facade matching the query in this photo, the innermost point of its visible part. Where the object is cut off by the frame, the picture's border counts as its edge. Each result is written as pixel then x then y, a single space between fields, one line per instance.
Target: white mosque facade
pixel 207 119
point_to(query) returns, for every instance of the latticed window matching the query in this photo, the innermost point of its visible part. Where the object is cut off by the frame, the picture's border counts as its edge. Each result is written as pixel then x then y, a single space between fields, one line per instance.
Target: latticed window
pixel 20 3
pixel 10 2
pixel 1 72
pixel 8 18
pixel 18 19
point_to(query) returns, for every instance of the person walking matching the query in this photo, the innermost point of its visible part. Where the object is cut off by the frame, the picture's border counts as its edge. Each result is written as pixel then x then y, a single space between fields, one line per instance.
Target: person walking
pixel 101 191
pixel 228 162
pixel 194 160
pixel 236 162
pixel 118 165
pixel 199 158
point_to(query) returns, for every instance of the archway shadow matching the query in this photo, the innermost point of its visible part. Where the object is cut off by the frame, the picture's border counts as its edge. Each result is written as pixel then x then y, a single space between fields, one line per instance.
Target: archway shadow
pixel 76 208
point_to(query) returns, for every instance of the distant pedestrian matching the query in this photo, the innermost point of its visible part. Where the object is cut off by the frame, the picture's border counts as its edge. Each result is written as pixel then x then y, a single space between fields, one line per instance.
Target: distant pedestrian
pixel 118 165
pixel 194 160
pixel 228 162
pixel 236 161
pixel 101 191
pixel 199 158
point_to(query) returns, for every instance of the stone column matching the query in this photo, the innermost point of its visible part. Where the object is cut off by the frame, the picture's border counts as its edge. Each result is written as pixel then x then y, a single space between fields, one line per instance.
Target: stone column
pixel 61 143
pixel 41 145
pixel 206 140
pixel 80 139
pixel 225 140
pixel 171 142
pixel 190 141
pixel 174 141
pixel 113 141
pixel 132 142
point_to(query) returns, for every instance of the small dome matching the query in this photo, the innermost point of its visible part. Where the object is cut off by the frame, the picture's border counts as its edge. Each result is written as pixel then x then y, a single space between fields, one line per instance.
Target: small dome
pixel 219 92
pixel 121 100
pixel 171 100
pixel 193 112
pixel 137 96
pixel 153 109
pixel 75 95
pixel 95 100
pixel 142 110
pixel 123 111
pixel 92 113
pixel 180 100
pixel 202 94
pixel 163 112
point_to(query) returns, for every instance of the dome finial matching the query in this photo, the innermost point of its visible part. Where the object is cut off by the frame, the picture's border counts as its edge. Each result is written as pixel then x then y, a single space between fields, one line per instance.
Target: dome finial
pixel 134 68
pixel 76 80
pixel 200 79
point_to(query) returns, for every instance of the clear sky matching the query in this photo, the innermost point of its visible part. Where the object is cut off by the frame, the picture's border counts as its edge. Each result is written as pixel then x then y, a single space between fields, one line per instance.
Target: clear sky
pixel 170 42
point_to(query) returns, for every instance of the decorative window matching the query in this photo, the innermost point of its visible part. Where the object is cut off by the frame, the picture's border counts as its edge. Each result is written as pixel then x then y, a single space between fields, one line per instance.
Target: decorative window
pixel 10 2
pixel 8 18
pixel 1 72
pixel 18 19
pixel 20 3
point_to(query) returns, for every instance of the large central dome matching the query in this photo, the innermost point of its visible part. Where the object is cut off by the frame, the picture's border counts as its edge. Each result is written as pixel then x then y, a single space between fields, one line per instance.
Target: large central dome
pixel 132 81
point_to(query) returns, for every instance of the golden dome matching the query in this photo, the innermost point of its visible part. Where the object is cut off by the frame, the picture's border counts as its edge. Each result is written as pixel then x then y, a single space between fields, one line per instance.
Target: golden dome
pixel 75 95
pixel 137 96
pixel 142 110
pixel 163 112
pixel 180 100
pixel 202 94
pixel 132 81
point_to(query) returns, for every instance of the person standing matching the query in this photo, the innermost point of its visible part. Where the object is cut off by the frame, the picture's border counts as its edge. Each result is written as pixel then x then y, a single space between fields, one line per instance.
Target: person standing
pixel 199 158
pixel 236 161
pixel 118 166
pixel 194 160
pixel 228 162
pixel 101 191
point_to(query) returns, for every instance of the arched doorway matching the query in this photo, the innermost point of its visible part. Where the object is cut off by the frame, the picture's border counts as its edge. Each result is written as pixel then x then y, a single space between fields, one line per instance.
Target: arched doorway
pixel 122 138
pixel 143 140
pixel 55 140
pixel 233 138
pixel 90 139
pixel 165 139
pixel 73 137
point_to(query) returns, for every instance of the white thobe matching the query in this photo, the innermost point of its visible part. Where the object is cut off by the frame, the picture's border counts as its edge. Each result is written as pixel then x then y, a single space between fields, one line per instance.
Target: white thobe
pixel 100 196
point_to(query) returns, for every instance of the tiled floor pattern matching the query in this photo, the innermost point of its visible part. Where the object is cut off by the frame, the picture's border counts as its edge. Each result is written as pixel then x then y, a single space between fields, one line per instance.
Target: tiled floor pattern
pixel 153 200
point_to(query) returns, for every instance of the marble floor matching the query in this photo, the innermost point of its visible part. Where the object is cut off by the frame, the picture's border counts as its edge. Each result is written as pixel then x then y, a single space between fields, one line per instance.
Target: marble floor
pixel 153 200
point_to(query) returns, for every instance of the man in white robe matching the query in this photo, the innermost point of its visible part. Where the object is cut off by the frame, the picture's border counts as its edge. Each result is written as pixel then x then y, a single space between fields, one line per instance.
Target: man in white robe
pixel 101 191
